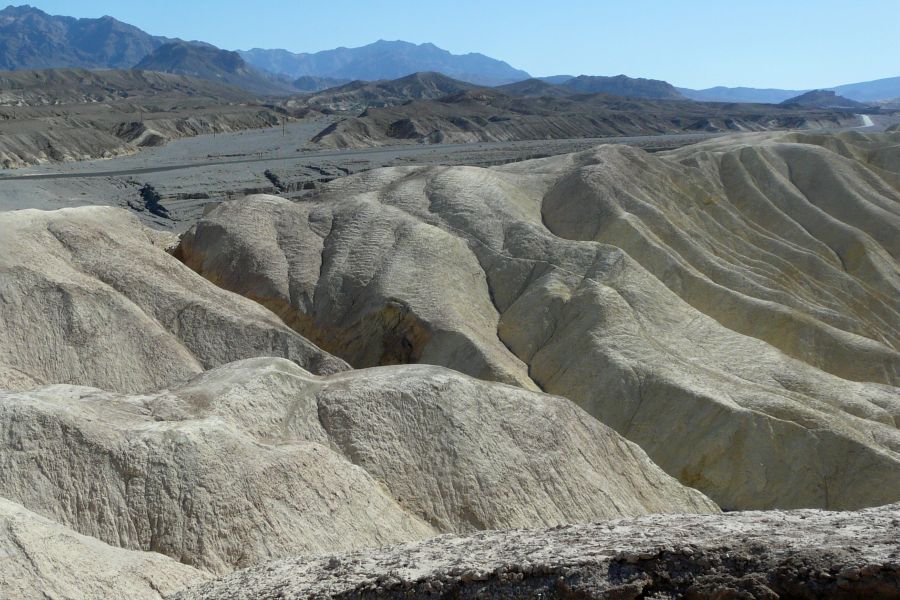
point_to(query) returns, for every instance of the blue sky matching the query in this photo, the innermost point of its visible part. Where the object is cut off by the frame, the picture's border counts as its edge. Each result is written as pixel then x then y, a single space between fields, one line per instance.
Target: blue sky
pixel 692 43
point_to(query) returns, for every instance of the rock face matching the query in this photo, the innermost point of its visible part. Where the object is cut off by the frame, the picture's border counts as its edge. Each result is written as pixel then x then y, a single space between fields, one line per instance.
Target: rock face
pixel 802 554
pixel 42 559
pixel 32 39
pixel 88 296
pixel 731 307
pixel 259 459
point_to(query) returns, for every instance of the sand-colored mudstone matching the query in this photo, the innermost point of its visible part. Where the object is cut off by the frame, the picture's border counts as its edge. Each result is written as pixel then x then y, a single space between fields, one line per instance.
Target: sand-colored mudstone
pixel 732 307
pixel 89 296
pixel 42 559
pixel 260 459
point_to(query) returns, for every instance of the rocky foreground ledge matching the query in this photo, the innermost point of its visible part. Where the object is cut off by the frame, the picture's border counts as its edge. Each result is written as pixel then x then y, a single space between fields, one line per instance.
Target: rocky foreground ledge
pixel 773 554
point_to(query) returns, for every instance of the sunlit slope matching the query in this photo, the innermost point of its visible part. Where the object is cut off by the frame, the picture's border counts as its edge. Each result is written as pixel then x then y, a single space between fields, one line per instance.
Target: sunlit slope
pixel 731 307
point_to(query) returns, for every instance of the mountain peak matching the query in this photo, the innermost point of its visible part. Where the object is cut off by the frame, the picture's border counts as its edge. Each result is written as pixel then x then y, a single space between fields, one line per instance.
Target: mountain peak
pixel 822 99
pixel 32 39
pixel 208 62
pixel 21 9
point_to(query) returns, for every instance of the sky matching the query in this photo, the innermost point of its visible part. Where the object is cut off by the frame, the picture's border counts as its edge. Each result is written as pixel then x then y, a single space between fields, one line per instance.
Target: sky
pixel 793 44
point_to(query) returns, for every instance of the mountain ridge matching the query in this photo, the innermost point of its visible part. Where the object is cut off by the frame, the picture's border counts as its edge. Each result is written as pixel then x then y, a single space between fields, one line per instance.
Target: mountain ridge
pixel 214 64
pixel 885 88
pixel 623 85
pixel 385 59
pixel 33 39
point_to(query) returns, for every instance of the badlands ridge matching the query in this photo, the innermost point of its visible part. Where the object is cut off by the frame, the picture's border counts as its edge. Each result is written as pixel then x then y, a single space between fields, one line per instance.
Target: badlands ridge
pixel 419 351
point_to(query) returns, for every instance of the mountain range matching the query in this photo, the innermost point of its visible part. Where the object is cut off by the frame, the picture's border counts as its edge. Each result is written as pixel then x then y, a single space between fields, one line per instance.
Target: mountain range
pixel 386 60
pixel 33 39
pixel 865 91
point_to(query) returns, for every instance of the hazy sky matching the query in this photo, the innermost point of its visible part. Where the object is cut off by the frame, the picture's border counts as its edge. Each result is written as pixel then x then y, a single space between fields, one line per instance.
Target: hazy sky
pixel 691 43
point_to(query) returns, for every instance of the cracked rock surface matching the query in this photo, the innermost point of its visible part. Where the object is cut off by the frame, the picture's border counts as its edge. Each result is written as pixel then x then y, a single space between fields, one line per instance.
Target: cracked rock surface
pixel 776 554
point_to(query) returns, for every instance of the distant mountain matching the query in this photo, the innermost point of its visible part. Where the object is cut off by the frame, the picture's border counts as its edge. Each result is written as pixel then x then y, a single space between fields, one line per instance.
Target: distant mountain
pixel 211 63
pixel 821 99
pixel 868 91
pixel 740 94
pixel 359 95
pixel 386 60
pixel 32 39
pixel 621 85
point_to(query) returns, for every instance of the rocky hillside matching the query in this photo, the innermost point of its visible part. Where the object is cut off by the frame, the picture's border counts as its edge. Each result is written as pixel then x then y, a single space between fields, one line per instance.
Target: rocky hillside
pixel 118 381
pixel 342 462
pixel 731 307
pixel 822 99
pixel 484 115
pixel 77 86
pixel 213 64
pixel 101 274
pixel 622 85
pixel 61 115
pixel 533 88
pixel 356 96
pixel 32 39
pixel 740 555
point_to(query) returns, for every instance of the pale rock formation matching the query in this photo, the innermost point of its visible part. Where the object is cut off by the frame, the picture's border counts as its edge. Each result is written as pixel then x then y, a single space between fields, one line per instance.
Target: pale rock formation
pixel 260 459
pixel 88 296
pixel 42 559
pixel 732 308
pixel 796 554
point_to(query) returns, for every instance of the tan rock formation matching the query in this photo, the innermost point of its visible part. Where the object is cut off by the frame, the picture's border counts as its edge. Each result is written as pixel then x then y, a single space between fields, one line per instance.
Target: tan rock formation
pixel 42 559
pixel 260 459
pixel 88 296
pixel 732 308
